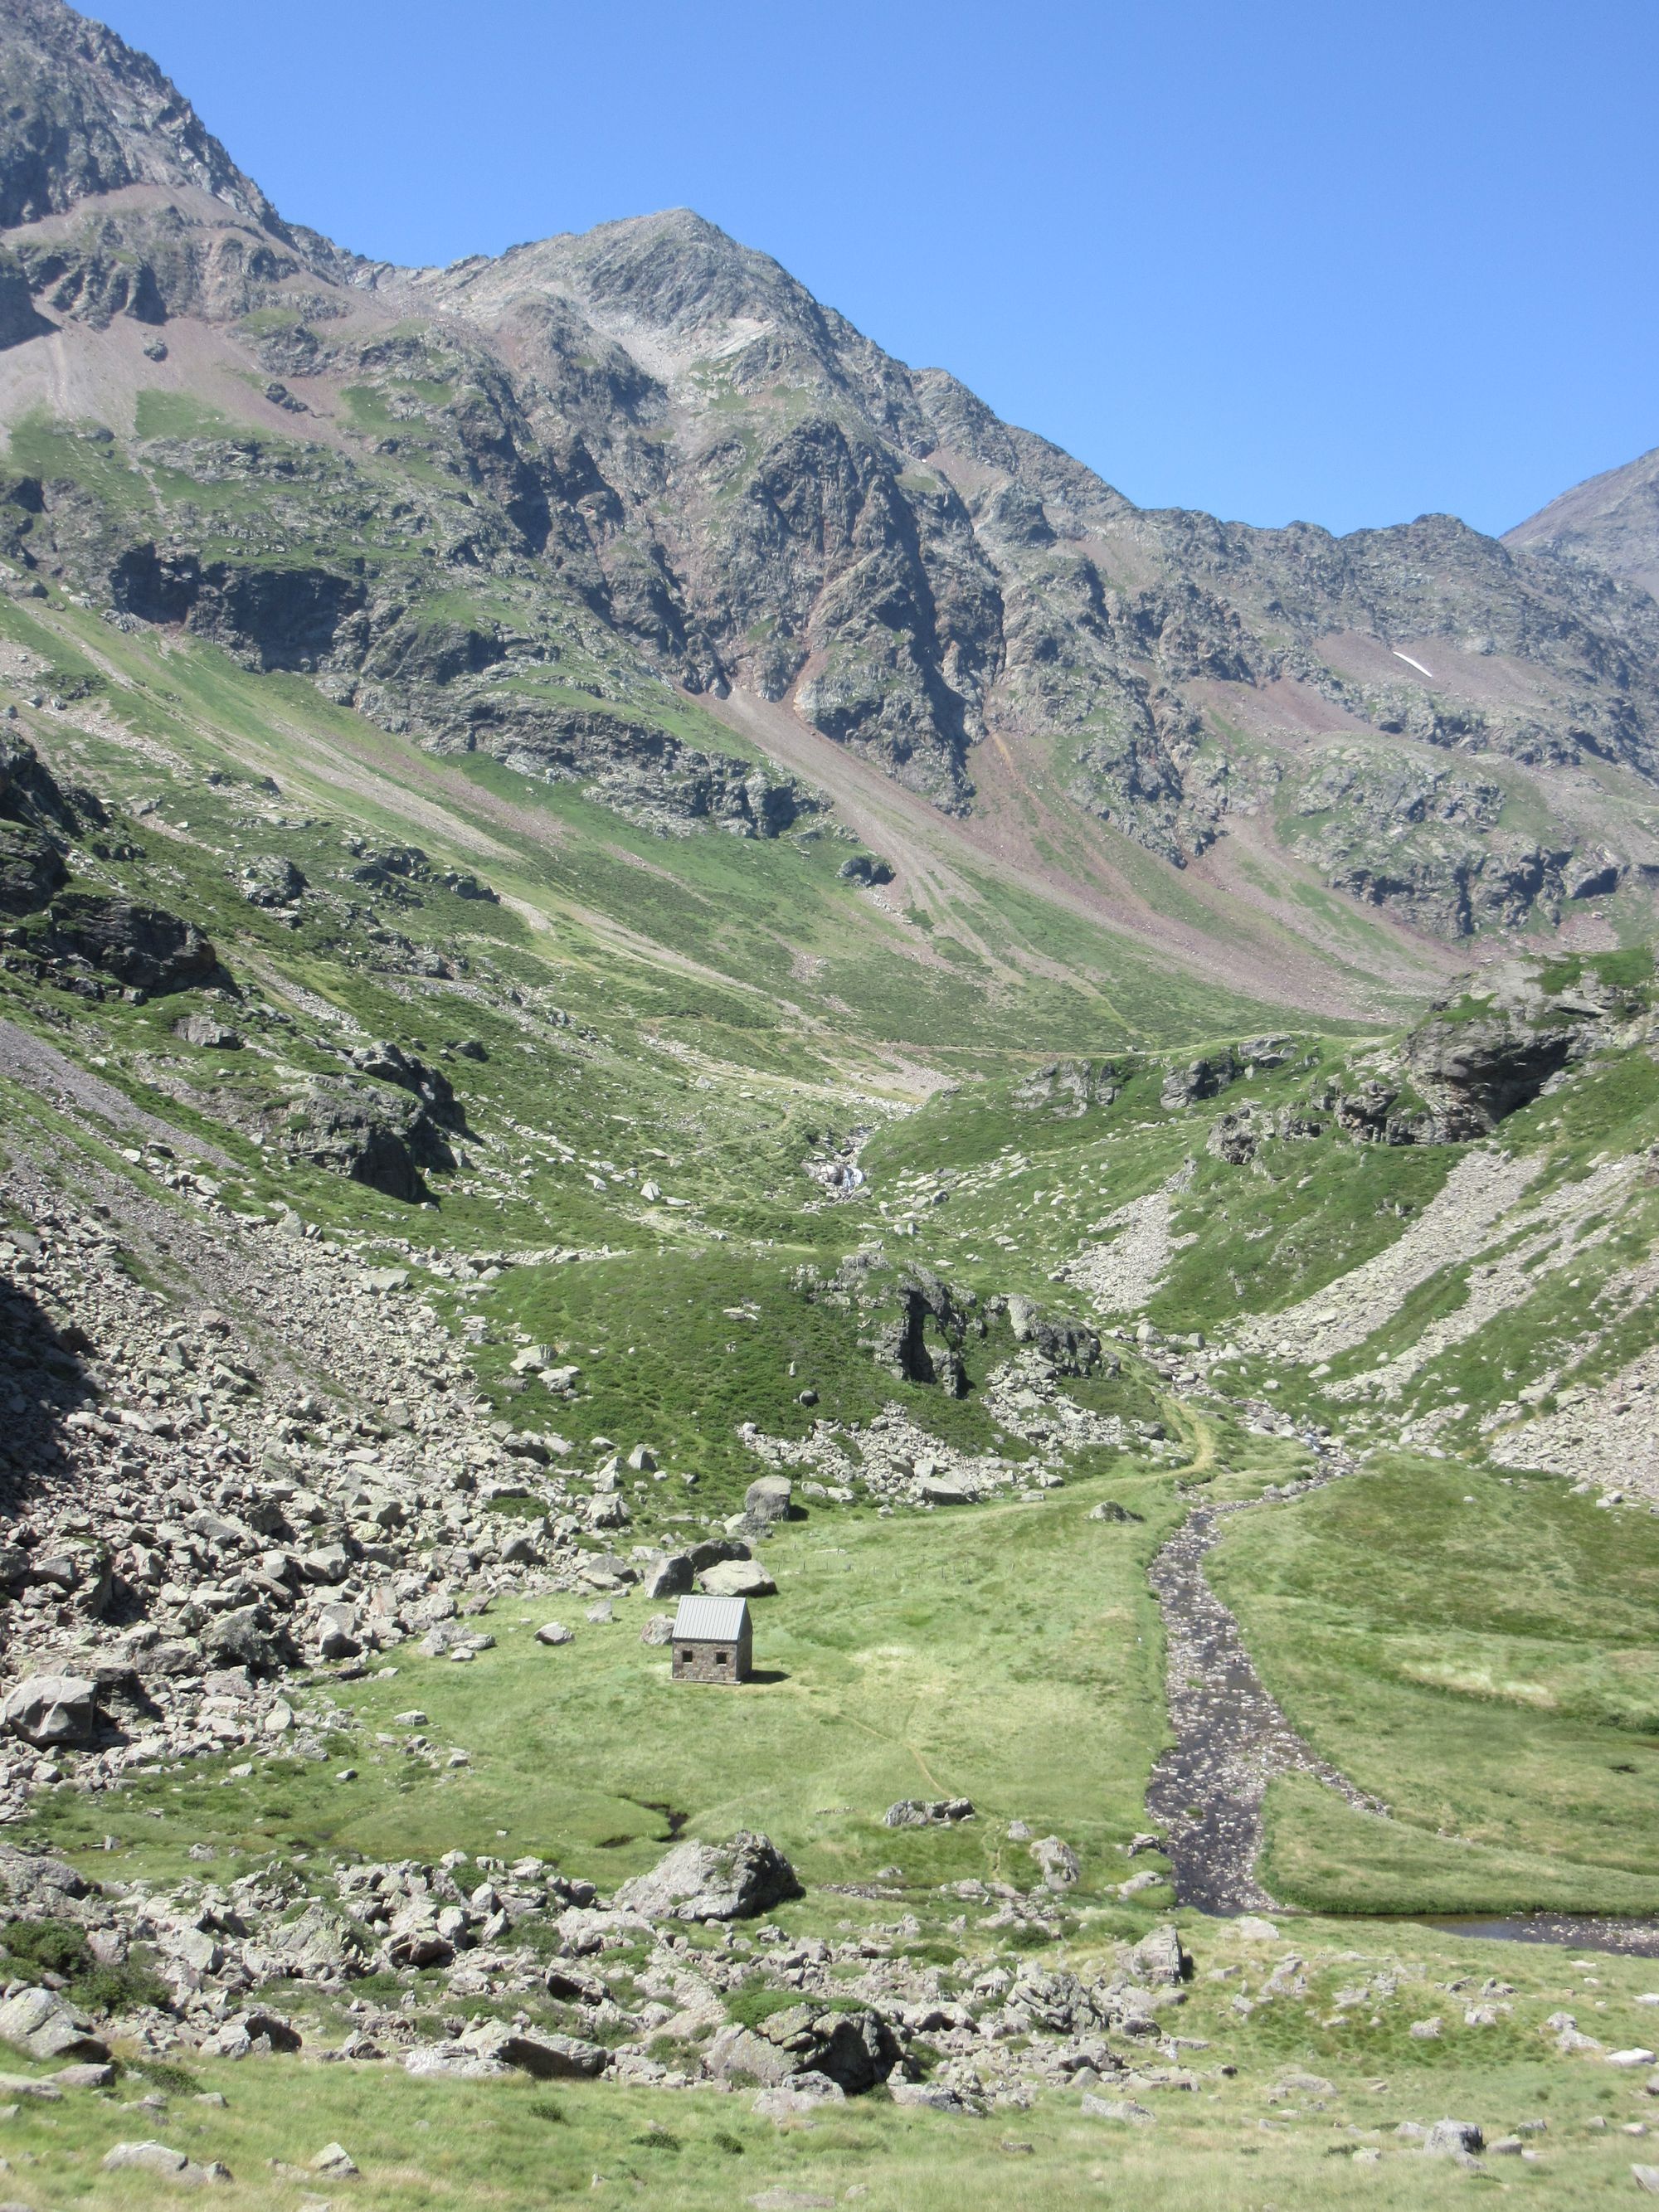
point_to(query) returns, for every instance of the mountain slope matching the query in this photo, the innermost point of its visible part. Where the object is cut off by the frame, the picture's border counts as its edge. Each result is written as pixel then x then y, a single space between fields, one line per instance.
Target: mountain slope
pixel 1610 522
pixel 573 1031
pixel 523 505
pixel 84 114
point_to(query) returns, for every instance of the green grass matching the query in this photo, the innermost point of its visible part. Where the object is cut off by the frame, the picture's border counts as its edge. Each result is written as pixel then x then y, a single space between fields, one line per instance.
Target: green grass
pixel 1489 1669
pixel 679 1349
pixel 430 2146
pixel 1009 1654
pixel 177 415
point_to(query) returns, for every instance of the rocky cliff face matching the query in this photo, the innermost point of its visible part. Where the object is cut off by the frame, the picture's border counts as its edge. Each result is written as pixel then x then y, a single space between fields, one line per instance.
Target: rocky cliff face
pixel 82 114
pixel 527 505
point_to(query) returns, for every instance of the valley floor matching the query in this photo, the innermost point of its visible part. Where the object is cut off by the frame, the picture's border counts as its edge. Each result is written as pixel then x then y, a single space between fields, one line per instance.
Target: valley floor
pixel 1216 1472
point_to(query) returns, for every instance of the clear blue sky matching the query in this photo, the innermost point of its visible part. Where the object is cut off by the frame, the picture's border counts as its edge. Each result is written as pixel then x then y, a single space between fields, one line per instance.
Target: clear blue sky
pixel 1343 262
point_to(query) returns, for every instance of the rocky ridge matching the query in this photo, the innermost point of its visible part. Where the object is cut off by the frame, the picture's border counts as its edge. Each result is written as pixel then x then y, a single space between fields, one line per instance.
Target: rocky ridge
pixel 645 463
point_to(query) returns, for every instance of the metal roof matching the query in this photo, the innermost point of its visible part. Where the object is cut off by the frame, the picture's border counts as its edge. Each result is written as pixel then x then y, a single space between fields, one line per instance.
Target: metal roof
pixel 711 1620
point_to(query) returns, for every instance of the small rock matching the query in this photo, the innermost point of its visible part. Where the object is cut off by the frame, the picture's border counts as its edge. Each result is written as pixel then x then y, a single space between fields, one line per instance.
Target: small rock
pixel 1450 2138
pixel 336 2161
pixel 932 2096
pixel 789 2098
pixel 737 1578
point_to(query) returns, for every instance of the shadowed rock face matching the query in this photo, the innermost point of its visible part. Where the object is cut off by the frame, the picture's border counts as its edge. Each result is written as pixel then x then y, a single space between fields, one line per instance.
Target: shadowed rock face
pixel 30 869
pixel 376 1134
pixel 1489 1048
pixel 1486 1069
pixel 144 948
pixel 30 793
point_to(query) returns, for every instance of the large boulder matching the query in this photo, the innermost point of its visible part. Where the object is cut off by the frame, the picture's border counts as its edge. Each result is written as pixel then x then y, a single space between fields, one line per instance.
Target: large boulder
pixel 166 2163
pixel 769 1500
pixel 1161 1958
pixel 143 947
pixel 1058 1862
pixel 928 1812
pixel 855 2049
pixel 548 2057
pixel 390 1063
pixel 53 1710
pixel 1453 2139
pixel 1071 1347
pixel 270 880
pixel 244 1637
pixel 40 2022
pixel 453 2062
pixel 745 2059
pixel 318 1944
pixel 373 1132
pixel 737 1578
pixel 206 1029
pixel 732 1881
pixel 713 1549
pixel 35 1886
pixel 671 1576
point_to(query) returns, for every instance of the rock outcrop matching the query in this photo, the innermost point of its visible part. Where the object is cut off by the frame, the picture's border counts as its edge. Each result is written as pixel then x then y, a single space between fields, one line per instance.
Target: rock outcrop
pixel 732 1881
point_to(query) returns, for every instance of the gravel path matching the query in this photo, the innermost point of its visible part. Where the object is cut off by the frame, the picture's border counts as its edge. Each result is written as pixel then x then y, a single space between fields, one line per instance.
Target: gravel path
pixel 1232 1738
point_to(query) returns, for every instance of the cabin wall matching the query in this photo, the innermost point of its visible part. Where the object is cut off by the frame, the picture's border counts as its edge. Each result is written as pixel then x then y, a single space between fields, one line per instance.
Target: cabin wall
pixel 712 1663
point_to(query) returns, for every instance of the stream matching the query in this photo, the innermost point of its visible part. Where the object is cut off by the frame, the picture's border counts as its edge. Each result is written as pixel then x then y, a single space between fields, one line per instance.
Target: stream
pixel 1232 1739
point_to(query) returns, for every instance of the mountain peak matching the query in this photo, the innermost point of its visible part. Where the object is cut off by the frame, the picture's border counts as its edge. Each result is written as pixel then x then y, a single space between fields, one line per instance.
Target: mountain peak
pixel 81 112
pixel 1610 522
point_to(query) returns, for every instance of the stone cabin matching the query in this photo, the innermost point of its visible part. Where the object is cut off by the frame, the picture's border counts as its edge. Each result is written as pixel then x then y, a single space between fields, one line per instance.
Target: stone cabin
pixel 712 1640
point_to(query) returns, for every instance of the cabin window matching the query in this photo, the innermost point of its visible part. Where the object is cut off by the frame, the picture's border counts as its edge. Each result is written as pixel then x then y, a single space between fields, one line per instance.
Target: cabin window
pixel 724 1658
pixel 685 1658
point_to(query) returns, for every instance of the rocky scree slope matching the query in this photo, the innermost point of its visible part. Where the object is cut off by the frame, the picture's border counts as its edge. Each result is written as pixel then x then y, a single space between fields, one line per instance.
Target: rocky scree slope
pixel 528 504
